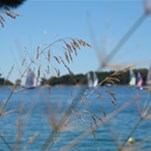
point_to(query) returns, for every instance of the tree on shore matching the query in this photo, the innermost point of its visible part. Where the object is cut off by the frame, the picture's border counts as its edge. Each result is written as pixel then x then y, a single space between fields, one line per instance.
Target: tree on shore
pixel 9 4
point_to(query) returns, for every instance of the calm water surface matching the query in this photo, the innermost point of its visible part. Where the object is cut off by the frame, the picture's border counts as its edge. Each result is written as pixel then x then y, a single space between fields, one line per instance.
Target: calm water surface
pixel 38 110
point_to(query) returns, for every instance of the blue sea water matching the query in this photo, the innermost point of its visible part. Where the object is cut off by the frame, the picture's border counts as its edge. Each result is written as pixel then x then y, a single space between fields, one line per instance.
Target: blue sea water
pixel 32 117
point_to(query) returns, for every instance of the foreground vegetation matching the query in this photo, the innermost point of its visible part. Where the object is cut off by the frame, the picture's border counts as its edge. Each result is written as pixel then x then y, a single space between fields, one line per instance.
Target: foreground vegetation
pixel 62 124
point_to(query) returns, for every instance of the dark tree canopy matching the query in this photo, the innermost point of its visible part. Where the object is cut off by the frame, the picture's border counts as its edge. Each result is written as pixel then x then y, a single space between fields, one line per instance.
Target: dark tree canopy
pixel 7 4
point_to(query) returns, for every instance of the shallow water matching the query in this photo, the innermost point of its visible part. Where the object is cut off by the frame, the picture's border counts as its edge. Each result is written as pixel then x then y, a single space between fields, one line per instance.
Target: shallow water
pixel 44 107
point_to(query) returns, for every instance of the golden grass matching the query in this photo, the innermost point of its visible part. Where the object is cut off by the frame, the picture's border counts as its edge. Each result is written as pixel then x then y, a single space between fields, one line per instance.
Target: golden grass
pixel 70 48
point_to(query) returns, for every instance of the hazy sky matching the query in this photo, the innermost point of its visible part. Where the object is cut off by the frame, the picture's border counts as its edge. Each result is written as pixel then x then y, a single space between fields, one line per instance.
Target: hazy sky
pixel 99 22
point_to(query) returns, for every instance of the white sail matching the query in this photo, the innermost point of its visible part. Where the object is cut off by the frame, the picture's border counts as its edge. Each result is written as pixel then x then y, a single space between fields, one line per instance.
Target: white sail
pixel 89 80
pixel 148 81
pixel 29 83
pixel 92 82
pixel 132 81
pixel 139 80
pixel 95 78
pixel 30 79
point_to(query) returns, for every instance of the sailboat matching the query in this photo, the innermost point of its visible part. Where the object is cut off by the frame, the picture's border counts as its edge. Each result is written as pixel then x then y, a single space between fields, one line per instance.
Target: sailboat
pixel 132 81
pixel 30 80
pixel 29 83
pixel 148 81
pixel 92 82
pixel 96 80
pixel 89 80
pixel 140 80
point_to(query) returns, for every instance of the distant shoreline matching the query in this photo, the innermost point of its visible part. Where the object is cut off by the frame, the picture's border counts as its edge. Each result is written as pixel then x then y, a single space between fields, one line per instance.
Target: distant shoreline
pixel 81 79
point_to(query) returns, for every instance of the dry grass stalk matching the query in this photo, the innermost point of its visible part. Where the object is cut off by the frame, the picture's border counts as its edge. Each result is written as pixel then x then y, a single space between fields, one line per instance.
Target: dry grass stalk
pixel 92 131
pixel 14 88
pixel 67 57
pixel 83 43
pixel 3 113
pixel 145 115
pixel 13 15
pixel 48 70
pixel 5 142
pixel 79 115
pixel 102 111
pixel 49 55
pixel 70 56
pixel 104 120
pixel 75 43
pixel 58 72
pixel 60 128
pixel 68 46
pixel 32 62
pixel 131 133
pixel 99 96
pixel 119 72
pixel 32 138
pixel 113 102
pixel 2 20
pixel 71 45
pixel 70 72
pixel 56 58
pixel 112 79
pixel 113 99
pixel 67 114
pixel 18 136
pixel 124 39
pixel 9 73
pixel 149 88
pixel 93 116
pixel 74 48
pixel 21 123
pixel 19 127
pixel 38 52
pixel 111 94
pixel 38 75
pixel 23 61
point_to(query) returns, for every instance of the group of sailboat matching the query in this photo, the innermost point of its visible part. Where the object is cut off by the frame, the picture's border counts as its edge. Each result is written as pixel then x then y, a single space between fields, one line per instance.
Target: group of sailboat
pixel 136 81
pixel 92 82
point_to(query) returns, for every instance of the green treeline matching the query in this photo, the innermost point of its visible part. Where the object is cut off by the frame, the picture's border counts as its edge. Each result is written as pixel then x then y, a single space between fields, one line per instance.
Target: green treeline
pixel 5 82
pixel 81 79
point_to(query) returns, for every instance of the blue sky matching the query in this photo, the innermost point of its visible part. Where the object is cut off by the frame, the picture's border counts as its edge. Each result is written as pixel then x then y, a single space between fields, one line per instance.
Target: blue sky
pixel 99 22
